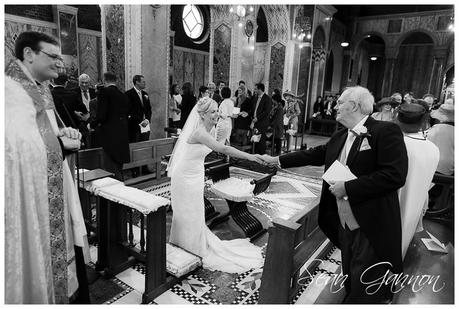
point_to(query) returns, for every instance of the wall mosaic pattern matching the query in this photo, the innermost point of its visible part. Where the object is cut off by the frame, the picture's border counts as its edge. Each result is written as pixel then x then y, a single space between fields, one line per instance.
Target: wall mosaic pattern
pixel 114 22
pixel 222 53
pixel 90 49
pixel 190 67
pixel 12 31
pixel 278 21
pixel 276 75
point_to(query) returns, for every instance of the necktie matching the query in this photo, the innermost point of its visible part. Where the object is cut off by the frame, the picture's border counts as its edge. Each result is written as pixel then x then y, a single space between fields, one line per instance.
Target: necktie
pixel 85 93
pixel 140 97
pixel 349 141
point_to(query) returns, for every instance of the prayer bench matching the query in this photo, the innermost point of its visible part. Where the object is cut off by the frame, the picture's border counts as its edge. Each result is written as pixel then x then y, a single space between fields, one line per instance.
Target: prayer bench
pixel 116 249
pixel 290 244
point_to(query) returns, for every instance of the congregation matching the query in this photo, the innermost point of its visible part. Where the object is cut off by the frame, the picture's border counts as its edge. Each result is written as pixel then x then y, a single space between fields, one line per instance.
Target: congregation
pixel 393 147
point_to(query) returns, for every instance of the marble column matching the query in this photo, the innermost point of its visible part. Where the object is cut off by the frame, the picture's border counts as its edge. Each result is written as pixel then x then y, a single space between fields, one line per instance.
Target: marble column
pixel 147 35
pixel 435 81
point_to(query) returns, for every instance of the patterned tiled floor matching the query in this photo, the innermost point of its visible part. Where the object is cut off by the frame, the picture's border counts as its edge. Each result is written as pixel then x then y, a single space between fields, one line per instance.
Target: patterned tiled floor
pixel 214 287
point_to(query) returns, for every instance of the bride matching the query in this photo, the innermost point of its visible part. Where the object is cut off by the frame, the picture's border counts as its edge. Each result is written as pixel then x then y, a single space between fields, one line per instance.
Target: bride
pixel 186 169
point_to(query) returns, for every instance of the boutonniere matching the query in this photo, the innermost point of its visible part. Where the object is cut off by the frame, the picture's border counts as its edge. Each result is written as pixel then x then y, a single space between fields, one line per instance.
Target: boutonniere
pixel 146 96
pixel 361 132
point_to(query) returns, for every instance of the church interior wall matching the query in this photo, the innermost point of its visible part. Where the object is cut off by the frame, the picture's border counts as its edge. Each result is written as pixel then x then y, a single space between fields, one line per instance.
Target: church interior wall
pixel 226 52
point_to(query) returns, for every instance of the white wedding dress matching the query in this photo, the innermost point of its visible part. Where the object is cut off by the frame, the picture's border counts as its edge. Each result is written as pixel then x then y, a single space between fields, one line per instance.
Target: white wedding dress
pixel 189 229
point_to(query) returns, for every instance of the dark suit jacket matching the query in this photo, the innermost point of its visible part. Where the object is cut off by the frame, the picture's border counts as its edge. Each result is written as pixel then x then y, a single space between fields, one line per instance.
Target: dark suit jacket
pixel 264 108
pixel 112 109
pixel 188 102
pixel 373 198
pixel 137 111
pixel 66 105
pixel 77 90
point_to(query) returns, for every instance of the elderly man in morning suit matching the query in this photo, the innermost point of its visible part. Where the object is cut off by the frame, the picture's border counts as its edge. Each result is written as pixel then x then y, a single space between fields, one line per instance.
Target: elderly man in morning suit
pixel 361 216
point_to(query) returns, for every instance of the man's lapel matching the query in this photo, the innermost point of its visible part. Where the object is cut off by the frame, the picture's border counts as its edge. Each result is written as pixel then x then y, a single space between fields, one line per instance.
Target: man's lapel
pixel 358 142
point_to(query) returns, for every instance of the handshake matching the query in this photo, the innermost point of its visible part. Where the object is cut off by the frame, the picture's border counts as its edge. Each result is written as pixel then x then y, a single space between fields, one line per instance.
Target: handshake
pixel 264 159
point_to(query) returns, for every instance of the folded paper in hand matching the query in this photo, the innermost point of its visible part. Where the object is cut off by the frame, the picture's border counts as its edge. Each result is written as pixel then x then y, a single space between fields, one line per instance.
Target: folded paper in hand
pixel 236 110
pixel 144 129
pixel 433 244
pixel 338 172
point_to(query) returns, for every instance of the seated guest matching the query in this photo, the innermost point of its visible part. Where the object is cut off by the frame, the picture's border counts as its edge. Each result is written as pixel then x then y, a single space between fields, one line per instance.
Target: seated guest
pixel 318 108
pixel 423 158
pixel 385 108
pixel 442 135
pixel 329 108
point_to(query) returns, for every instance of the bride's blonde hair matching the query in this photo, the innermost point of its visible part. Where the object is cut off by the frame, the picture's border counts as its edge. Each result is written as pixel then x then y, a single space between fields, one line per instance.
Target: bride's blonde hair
pixel 204 105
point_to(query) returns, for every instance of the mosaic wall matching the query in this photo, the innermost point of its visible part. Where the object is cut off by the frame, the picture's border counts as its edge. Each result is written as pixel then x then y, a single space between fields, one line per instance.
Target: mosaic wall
pixel 190 67
pixel 222 51
pixel 13 29
pixel 114 23
pixel 276 74
pixel 90 48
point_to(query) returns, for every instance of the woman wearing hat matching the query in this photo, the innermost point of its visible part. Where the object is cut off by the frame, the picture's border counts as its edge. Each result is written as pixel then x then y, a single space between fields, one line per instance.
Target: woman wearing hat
pixel 442 135
pixel 423 158
pixel 386 110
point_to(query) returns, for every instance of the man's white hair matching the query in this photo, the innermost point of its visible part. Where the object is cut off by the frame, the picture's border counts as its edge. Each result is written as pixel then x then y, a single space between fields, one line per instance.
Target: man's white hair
pixel 84 76
pixel 362 97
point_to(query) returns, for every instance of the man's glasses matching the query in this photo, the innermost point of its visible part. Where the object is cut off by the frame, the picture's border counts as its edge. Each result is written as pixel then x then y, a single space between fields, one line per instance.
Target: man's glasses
pixel 53 56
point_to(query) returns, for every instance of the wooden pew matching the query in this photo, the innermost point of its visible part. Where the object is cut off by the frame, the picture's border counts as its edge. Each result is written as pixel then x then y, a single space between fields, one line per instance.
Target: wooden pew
pixel 442 210
pixel 150 153
pixel 290 244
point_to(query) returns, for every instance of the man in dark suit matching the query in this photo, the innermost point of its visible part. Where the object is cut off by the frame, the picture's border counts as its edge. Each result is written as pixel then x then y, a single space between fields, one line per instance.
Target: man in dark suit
pixel 84 93
pixel 260 116
pixel 111 115
pixel 361 216
pixel 66 104
pixel 139 113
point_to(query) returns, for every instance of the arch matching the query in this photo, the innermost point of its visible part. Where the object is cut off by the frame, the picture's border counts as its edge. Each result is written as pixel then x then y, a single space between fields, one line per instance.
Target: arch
pixel 404 36
pixel 319 38
pixel 278 20
pixel 262 34
pixel 356 42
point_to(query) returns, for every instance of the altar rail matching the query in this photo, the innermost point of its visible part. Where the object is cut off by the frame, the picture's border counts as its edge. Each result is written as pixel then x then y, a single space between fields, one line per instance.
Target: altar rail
pixel 149 152
pixel 290 244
